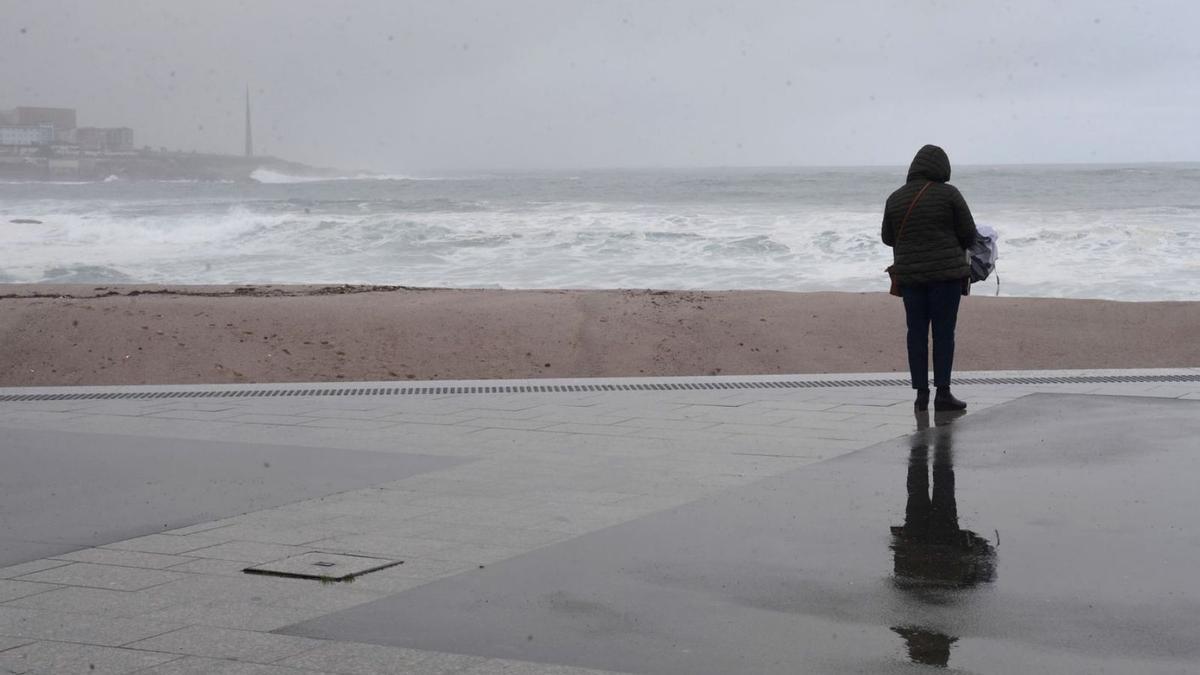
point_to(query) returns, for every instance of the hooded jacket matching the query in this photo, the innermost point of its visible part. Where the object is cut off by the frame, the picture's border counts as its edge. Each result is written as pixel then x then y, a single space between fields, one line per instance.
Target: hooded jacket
pixel 932 246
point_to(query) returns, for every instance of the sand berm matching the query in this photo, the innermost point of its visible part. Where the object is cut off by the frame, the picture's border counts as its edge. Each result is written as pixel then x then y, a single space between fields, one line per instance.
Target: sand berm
pixel 98 335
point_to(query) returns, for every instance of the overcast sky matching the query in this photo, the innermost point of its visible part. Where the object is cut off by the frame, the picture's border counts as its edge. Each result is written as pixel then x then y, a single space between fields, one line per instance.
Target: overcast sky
pixel 421 86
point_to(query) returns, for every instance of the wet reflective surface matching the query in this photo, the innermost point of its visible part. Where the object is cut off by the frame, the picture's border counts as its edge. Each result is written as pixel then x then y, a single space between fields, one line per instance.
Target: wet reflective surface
pixel 1050 534
pixel 932 556
pixel 62 491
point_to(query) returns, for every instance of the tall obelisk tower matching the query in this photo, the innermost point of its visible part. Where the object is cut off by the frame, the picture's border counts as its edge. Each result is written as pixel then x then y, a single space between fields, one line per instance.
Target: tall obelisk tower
pixel 249 139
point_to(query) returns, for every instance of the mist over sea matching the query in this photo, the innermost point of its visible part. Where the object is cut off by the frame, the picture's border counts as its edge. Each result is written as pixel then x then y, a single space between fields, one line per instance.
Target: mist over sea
pixel 1115 232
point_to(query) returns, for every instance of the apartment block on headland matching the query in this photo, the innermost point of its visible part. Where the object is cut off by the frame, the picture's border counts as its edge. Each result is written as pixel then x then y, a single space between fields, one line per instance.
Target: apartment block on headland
pixel 39 144
pixel 26 135
pixel 105 139
pixel 62 119
pixel 34 127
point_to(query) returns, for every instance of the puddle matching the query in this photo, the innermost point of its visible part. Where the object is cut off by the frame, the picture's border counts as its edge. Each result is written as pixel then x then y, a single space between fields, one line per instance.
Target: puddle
pixel 1050 534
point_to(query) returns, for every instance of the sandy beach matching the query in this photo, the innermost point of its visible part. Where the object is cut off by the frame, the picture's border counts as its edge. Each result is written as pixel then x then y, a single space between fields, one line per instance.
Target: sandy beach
pixel 95 335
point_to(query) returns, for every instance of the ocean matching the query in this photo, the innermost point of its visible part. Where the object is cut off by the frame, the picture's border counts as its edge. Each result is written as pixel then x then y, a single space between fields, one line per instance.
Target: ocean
pixel 1080 231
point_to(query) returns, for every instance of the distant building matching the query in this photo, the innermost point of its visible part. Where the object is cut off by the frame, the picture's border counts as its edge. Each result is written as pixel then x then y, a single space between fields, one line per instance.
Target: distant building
pixel 63 119
pixel 105 139
pixel 26 134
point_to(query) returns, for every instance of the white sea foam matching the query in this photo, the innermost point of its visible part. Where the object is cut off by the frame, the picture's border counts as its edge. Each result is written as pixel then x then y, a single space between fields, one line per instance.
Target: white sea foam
pixel 555 232
pixel 192 181
pixel 272 177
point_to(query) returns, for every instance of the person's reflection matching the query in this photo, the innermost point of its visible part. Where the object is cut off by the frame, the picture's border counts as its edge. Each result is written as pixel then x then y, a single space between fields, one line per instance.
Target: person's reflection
pixel 932 556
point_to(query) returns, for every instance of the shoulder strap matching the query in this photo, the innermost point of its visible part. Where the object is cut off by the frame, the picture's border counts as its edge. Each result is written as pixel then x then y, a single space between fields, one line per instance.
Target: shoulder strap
pixel 910 208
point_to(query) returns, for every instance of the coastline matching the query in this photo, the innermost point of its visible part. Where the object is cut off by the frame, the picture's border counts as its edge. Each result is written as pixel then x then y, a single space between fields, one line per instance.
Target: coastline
pixel 94 167
pixel 59 335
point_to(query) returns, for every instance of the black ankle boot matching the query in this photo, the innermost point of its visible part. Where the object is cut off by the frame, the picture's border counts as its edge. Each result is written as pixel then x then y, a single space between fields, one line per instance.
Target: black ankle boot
pixel 945 401
pixel 922 403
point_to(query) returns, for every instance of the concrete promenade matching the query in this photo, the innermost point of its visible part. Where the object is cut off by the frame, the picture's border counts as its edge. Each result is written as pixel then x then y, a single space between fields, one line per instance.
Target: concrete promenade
pixel 478 479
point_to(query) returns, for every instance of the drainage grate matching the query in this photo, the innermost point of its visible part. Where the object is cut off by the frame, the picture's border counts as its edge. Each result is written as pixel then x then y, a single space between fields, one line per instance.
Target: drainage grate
pixel 323 566
pixel 555 388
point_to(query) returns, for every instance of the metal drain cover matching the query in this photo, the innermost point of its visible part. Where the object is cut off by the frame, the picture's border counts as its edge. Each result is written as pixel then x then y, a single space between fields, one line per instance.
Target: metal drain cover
pixel 323 566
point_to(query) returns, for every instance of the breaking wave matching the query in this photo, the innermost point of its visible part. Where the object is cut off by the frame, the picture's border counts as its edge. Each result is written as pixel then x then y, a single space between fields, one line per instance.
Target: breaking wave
pixel 818 232
pixel 272 177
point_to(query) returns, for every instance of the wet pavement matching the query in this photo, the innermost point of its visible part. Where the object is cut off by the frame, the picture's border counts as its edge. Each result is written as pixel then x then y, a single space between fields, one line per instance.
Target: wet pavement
pixel 63 491
pixel 1054 533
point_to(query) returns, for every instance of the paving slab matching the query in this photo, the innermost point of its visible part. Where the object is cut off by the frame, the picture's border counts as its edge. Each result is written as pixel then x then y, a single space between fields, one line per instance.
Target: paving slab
pixel 63 491
pixel 11 589
pixel 107 631
pixel 1054 533
pixel 21 569
pixel 104 556
pixel 111 577
pixel 205 666
pixel 82 599
pixel 7 643
pixel 229 644
pixel 357 659
pixel 61 658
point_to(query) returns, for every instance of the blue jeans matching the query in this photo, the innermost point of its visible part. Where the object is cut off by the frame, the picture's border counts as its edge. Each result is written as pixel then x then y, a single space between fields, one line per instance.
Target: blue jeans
pixel 934 304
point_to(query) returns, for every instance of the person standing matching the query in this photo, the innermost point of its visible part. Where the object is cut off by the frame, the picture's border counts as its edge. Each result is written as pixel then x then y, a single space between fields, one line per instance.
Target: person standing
pixel 929 227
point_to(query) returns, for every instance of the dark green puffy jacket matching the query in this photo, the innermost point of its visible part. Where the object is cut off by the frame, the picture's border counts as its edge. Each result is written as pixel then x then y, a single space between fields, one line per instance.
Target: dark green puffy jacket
pixel 933 243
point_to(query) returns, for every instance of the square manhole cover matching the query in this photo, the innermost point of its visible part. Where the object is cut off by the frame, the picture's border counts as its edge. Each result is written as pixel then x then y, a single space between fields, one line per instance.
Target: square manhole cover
pixel 323 566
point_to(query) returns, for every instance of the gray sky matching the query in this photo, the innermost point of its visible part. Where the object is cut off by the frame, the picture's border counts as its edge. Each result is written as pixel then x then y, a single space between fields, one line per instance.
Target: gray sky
pixel 421 86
